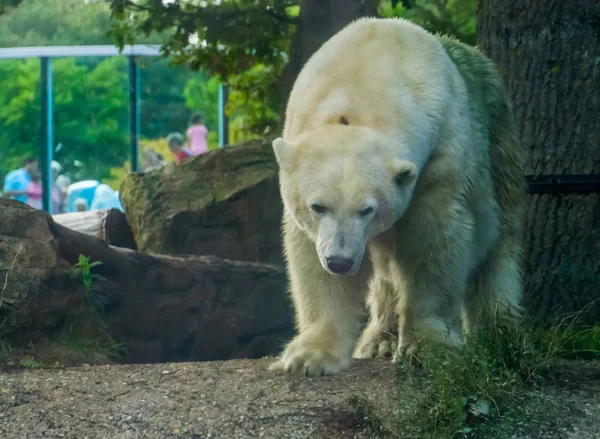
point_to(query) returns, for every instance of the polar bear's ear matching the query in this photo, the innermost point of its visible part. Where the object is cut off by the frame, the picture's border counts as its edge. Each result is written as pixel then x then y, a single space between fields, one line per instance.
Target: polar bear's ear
pixel 283 152
pixel 403 172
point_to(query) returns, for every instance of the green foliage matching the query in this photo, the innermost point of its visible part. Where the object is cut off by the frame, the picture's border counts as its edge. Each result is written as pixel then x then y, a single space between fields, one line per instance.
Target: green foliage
pixel 228 37
pixel 252 101
pixel 163 106
pixel 453 17
pixel 91 103
pixel 90 112
pixel 7 5
pixel 245 43
pixel 84 268
pixel 39 22
pixel 30 363
pixel 366 416
pixel 488 389
pixel 202 94
pixel 242 43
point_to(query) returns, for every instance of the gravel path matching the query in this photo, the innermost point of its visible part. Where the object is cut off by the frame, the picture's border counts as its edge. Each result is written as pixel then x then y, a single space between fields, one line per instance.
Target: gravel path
pixel 233 399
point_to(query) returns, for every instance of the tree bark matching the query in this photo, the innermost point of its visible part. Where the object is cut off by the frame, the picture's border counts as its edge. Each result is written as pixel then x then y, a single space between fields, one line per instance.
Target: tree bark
pixel 319 21
pixel 548 52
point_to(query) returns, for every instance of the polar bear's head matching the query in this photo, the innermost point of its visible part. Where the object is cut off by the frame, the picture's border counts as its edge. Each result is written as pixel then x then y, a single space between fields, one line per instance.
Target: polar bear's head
pixel 343 185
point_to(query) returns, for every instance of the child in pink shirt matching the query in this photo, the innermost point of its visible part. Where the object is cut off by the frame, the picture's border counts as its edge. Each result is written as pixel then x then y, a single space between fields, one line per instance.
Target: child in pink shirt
pixel 34 191
pixel 196 135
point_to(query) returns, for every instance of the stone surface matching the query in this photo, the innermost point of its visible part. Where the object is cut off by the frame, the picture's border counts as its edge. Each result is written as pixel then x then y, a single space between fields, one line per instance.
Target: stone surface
pixel 35 282
pixel 224 203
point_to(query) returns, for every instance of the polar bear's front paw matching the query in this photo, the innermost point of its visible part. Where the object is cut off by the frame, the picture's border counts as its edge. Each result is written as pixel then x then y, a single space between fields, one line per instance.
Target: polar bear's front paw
pixel 381 346
pixel 408 352
pixel 308 360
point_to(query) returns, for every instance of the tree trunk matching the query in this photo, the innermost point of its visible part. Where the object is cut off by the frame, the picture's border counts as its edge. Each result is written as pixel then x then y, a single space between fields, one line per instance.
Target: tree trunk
pixel 110 225
pixel 319 21
pixel 548 52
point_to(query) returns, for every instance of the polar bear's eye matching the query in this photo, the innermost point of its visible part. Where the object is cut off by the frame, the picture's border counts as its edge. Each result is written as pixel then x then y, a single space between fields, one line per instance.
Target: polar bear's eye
pixel 401 177
pixel 318 208
pixel 366 211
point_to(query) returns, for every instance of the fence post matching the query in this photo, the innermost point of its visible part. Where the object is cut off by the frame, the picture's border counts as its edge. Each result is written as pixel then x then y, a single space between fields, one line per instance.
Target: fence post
pixel 134 112
pixel 47 132
pixel 223 119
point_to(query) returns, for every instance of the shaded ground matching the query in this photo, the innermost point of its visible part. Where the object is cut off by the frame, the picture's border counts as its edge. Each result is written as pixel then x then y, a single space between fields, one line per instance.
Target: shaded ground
pixel 236 399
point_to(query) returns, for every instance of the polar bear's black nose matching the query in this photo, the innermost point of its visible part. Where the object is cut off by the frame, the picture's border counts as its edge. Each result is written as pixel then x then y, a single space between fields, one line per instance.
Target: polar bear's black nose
pixel 339 265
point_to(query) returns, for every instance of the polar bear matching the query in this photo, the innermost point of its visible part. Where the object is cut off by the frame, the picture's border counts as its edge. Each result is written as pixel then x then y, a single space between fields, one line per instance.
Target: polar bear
pixel 401 179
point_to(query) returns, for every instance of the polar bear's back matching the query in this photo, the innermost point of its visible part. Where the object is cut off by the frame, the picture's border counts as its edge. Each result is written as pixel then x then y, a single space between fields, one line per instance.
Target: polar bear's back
pixel 372 69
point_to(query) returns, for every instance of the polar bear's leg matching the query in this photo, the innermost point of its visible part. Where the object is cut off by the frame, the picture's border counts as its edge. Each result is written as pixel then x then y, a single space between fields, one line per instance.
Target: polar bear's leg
pixel 380 337
pixel 495 290
pixel 329 309
pixel 435 279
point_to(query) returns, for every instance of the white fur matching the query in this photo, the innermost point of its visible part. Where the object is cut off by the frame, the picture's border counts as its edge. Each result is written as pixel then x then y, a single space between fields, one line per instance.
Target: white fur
pixel 379 119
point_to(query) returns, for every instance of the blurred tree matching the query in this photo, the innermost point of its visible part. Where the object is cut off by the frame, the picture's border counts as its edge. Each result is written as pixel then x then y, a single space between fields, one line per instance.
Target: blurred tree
pixel 89 86
pixel 202 94
pixel 259 46
pixel 56 23
pixel 247 42
pixel 243 42
pixel 90 111
pixel 7 5
pixel 454 17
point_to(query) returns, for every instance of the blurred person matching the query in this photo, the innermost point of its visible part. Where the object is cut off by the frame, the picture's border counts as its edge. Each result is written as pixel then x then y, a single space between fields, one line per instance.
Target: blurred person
pixel 151 160
pixel 58 196
pixel 34 191
pixel 175 142
pixel 17 181
pixel 196 134
pixel 81 205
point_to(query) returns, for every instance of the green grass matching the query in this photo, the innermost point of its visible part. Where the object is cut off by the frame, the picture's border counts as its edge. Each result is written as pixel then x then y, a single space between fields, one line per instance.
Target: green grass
pixel 94 348
pixel 5 352
pixel 366 416
pixel 500 369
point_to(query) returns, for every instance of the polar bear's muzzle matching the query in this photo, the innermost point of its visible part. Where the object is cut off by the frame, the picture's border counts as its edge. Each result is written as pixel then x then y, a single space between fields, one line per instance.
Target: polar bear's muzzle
pixel 339 265
pixel 340 247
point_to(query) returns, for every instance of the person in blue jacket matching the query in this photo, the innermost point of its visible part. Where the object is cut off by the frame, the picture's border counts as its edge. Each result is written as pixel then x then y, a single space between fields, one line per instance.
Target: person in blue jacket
pixel 17 181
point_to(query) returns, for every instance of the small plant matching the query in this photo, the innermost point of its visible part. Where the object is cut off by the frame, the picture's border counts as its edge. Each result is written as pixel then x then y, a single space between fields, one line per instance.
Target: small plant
pixel 30 363
pixel 84 267
pixel 85 331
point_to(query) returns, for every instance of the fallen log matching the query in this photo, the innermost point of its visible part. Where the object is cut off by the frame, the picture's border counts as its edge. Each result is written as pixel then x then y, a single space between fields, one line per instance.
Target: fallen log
pixel 163 308
pixel 110 225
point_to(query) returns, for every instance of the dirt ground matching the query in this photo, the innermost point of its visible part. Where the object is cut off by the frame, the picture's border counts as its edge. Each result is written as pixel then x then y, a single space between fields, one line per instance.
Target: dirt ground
pixel 236 399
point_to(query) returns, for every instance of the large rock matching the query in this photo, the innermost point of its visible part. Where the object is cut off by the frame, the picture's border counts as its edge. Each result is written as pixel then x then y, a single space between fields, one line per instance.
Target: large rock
pixel 164 308
pixel 36 286
pixel 224 203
